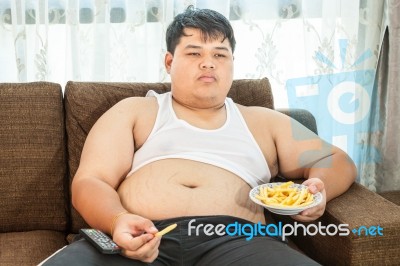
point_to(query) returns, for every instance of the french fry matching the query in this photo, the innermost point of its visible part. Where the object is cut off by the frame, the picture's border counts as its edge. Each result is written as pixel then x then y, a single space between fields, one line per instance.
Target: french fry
pixel 284 195
pixel 166 230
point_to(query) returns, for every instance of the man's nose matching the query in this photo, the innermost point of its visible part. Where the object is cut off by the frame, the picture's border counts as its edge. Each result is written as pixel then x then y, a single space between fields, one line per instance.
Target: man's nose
pixel 207 63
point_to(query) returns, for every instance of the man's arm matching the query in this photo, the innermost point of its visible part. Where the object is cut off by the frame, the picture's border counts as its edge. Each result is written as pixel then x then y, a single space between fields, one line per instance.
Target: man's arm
pixel 105 161
pixel 302 154
pixel 336 171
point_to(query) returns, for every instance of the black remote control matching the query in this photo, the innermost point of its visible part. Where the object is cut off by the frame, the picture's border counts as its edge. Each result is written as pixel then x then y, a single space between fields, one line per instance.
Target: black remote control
pixel 101 241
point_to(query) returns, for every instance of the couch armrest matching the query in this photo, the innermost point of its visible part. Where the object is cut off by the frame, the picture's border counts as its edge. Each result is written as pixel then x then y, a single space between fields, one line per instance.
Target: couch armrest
pixel 357 207
pixel 301 115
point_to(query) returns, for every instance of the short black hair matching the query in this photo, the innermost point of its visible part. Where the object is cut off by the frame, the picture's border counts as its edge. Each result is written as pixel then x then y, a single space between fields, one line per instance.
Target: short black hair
pixel 211 24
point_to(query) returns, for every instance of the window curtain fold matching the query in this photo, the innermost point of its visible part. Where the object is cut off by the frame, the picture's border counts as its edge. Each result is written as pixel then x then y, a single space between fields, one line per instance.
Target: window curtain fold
pixel 384 175
pixel 320 55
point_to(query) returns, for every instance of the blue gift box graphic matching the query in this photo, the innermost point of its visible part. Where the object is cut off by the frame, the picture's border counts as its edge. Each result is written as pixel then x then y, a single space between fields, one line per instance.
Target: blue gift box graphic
pixel 341 104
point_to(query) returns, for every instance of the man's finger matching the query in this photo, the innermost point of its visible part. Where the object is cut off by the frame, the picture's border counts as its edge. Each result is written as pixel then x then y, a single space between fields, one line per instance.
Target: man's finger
pixel 314 185
pixel 135 242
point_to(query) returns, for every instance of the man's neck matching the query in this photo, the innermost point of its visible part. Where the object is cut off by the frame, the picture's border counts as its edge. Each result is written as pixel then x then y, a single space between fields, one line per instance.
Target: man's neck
pixel 208 117
pixel 212 109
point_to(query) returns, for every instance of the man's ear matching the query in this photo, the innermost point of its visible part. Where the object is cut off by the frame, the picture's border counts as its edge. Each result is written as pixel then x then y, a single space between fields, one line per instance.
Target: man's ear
pixel 168 61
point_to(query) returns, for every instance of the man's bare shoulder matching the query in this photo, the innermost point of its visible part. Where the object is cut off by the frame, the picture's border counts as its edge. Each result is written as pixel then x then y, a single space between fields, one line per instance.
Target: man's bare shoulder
pixel 258 112
pixel 135 106
pixel 261 121
pixel 136 102
pixel 129 111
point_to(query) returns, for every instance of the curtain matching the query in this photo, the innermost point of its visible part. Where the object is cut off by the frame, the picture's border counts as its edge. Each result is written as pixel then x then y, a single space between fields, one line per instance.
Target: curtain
pixel 320 55
pixel 385 174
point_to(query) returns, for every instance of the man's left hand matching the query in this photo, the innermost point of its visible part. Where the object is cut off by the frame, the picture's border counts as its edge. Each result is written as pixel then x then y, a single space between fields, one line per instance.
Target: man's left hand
pixel 314 185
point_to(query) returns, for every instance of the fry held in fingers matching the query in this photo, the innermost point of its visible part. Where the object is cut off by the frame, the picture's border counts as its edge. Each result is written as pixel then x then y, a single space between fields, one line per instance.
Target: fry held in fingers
pixel 166 230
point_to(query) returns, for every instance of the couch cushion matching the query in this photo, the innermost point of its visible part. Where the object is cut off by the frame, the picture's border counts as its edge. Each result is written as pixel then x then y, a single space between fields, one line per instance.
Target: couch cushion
pixel 29 248
pixel 393 196
pixel 32 158
pixel 85 102
pixel 358 208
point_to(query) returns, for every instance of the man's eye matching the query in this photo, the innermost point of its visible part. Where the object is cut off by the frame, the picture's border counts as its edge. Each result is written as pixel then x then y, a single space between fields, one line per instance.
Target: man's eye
pixel 194 54
pixel 220 55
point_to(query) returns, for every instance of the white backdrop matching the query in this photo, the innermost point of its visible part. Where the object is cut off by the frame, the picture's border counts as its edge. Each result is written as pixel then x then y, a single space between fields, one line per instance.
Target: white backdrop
pixel 320 55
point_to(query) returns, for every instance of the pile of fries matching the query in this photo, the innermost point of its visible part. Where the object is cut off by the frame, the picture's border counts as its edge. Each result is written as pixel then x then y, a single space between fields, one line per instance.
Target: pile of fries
pixel 284 195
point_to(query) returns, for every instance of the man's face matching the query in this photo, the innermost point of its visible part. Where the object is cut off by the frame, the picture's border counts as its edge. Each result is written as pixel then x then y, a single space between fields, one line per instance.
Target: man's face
pixel 201 72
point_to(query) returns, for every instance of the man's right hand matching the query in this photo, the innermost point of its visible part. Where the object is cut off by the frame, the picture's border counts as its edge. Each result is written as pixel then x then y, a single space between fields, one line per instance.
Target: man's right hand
pixel 135 235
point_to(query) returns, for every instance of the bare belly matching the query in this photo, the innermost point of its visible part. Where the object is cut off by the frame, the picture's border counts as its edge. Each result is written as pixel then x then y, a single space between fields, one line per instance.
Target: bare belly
pixel 175 187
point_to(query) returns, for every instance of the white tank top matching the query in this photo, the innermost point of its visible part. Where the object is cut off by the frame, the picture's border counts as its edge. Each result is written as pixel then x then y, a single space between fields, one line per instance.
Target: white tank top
pixel 231 147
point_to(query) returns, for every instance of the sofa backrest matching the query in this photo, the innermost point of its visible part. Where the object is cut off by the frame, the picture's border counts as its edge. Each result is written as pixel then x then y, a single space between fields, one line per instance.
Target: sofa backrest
pixel 32 158
pixel 85 102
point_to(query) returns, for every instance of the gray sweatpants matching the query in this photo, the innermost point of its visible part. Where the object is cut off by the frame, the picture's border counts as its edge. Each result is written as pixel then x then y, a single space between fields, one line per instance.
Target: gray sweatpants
pixel 197 248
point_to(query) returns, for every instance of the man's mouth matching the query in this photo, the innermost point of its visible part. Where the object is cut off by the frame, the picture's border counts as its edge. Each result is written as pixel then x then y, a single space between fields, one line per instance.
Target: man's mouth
pixel 207 78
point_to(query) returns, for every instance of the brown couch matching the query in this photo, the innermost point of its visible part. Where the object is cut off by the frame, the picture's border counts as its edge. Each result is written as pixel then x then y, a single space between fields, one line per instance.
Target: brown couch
pixel 41 137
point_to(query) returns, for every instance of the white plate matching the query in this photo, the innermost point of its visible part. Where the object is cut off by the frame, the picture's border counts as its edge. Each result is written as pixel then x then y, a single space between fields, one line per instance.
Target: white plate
pixel 283 210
